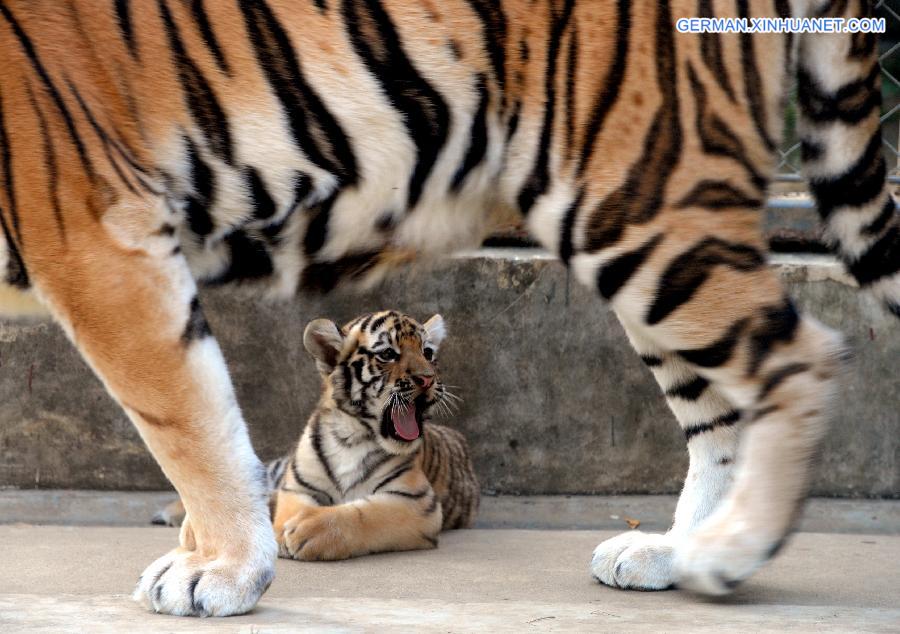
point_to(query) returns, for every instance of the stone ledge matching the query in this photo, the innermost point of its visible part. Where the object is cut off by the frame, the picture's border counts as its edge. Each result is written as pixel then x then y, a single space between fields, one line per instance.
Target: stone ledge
pixel 555 401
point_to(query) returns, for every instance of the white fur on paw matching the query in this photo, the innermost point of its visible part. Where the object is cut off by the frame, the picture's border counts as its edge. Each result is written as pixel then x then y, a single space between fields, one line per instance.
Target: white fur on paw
pixel 716 558
pixel 185 584
pixel 635 561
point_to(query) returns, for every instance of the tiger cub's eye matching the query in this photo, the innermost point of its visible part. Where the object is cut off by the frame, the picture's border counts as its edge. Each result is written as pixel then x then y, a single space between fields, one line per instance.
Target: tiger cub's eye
pixel 429 353
pixel 387 355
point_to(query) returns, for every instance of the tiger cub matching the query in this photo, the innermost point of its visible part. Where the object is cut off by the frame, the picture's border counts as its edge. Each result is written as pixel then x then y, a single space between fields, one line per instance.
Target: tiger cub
pixel 368 475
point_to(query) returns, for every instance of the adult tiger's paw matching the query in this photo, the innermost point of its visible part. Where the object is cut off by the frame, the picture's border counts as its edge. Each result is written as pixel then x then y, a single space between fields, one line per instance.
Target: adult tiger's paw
pixel 317 537
pixel 716 558
pixel 183 583
pixel 635 561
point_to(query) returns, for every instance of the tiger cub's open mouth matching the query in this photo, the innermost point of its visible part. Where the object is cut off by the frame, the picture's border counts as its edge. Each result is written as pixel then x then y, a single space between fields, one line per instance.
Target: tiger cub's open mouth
pixel 404 423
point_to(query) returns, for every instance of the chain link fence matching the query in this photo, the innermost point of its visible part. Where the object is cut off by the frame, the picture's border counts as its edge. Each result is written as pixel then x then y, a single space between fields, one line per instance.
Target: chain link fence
pixel 789 171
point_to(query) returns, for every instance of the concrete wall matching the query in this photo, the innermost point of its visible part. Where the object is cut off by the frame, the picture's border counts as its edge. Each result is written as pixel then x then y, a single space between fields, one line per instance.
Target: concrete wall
pixel 555 401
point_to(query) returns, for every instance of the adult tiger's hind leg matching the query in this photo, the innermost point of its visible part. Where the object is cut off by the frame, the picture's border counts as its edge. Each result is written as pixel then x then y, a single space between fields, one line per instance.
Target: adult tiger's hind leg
pixel 644 561
pixel 124 293
pixel 722 311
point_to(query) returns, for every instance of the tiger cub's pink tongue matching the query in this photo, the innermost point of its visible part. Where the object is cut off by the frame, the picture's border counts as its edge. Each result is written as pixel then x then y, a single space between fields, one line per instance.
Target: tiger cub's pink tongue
pixel 405 423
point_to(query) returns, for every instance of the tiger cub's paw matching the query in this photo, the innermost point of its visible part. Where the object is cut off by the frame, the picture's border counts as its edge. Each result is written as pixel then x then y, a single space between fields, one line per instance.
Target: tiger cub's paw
pixel 312 538
pixel 635 561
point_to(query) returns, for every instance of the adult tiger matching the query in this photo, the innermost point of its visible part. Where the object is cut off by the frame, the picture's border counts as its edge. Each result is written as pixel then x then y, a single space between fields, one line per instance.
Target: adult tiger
pixel 148 145
pixel 370 472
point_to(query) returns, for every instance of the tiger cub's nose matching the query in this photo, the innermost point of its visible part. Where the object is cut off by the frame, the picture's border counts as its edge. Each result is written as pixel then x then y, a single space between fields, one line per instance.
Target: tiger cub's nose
pixel 423 380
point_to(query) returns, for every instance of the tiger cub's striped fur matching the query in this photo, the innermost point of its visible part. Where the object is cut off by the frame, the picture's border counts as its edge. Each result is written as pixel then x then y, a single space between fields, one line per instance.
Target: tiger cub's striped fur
pixel 370 472
pixel 354 483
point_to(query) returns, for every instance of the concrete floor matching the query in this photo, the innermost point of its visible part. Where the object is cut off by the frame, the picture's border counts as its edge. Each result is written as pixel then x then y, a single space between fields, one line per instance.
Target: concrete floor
pixel 547 512
pixel 76 579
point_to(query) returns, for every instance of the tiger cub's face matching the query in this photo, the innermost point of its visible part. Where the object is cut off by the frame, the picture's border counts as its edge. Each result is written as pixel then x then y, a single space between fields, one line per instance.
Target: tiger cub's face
pixel 381 368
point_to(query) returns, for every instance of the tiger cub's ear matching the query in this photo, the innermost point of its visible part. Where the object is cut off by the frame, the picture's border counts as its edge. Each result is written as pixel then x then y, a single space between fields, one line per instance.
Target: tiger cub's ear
pixel 435 331
pixel 323 340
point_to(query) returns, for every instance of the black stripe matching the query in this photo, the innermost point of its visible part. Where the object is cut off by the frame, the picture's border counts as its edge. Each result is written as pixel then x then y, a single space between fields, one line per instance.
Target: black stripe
pixel 513 124
pixel 370 466
pixel 567 228
pixel 302 187
pixel 752 82
pixel 249 259
pixel 306 485
pixel 197 327
pixel 316 438
pixel 418 495
pixel 15 274
pixel 610 91
pixel 28 48
pixel 9 185
pixel 50 163
pixel 379 322
pixel 777 377
pixel 651 360
pixel 777 325
pixel 862 45
pixel 888 211
pixel 396 473
pixel 718 352
pixel 613 275
pixel 689 270
pixel 783 9
pixel 323 277
pixel 425 113
pixel 111 143
pixel 717 195
pixel 198 12
pixel 711 51
pixel 537 183
pixel 431 540
pixel 275 472
pixel 203 184
pixel 126 28
pixel 849 104
pixel 893 307
pixel 641 196
pixel 317 229
pixel 690 390
pixel 880 260
pixel 859 185
pixel 315 130
pixel 716 137
pixel 571 83
pixel 260 200
pixel 432 506
pixel 478 135
pixel 811 150
pixel 201 99
pixel 104 138
pixel 493 22
pixel 725 420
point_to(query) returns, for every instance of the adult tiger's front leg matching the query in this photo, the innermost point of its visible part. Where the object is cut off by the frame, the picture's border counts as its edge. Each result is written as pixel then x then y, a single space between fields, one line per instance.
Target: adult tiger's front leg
pixel 124 294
